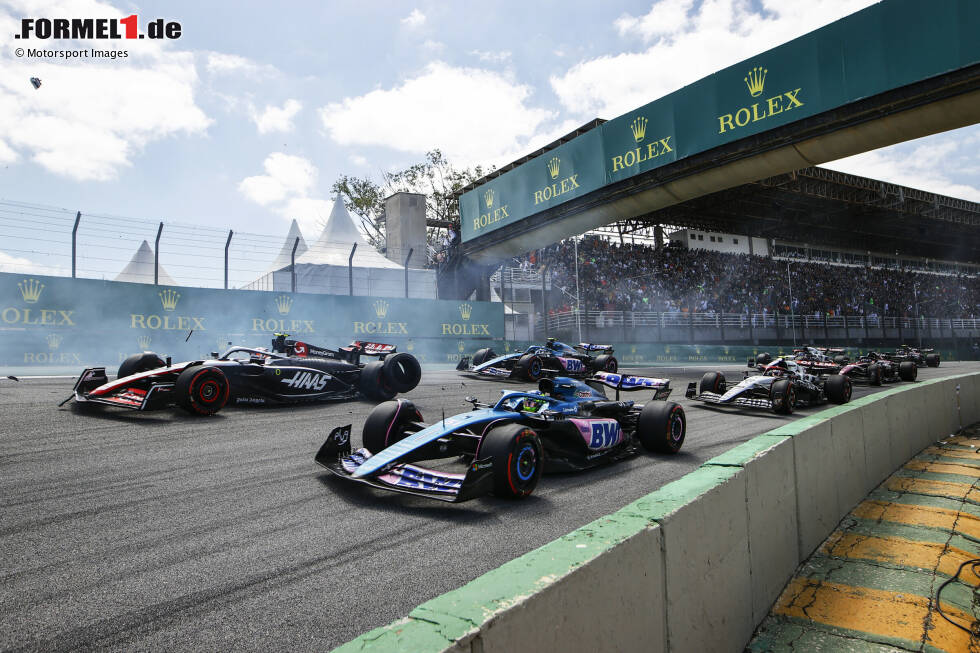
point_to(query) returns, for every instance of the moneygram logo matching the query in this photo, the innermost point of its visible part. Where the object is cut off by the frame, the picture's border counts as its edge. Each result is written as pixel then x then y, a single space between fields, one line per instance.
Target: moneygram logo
pixel 96 28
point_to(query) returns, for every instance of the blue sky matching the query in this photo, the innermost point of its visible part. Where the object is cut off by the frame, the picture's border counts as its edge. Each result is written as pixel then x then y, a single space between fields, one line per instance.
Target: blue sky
pixel 245 121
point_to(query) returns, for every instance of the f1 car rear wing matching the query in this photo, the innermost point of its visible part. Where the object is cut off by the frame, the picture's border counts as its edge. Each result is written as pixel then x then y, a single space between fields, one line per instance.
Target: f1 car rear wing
pixel 351 353
pixel 588 346
pixel 623 382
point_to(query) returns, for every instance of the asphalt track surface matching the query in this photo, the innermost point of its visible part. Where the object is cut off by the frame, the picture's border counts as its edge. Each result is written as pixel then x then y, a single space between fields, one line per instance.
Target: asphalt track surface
pixel 123 531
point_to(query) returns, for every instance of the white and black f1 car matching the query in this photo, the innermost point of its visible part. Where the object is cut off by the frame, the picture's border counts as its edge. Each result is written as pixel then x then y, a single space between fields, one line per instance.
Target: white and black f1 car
pixel 292 372
pixel 566 425
pixel 538 361
pixel 782 386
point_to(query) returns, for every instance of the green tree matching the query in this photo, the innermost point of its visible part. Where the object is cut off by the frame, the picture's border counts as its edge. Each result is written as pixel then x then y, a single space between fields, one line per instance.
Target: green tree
pixel 435 177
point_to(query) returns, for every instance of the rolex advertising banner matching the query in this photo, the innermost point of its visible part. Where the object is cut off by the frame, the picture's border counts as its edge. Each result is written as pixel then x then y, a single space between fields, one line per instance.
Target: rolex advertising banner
pixel 886 46
pixel 69 323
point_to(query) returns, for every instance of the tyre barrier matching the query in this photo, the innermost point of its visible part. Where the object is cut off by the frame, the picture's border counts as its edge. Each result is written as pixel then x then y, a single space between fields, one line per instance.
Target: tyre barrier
pixel 697 564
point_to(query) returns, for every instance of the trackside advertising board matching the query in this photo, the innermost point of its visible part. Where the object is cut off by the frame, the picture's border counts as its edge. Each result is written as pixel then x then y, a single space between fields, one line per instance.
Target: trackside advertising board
pixel 886 46
pixel 56 321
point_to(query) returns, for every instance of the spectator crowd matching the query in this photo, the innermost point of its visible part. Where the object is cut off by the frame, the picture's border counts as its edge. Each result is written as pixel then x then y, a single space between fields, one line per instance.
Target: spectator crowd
pixel 627 277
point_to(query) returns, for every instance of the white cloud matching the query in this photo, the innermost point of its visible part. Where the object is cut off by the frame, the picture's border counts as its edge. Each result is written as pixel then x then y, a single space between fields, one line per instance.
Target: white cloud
pixel 414 19
pixel 288 188
pixel 434 46
pixel 474 115
pixel 20 265
pixel 90 118
pixel 358 160
pixel 277 119
pixel 221 63
pixel 944 163
pixel 7 155
pixel 688 43
pixel 491 57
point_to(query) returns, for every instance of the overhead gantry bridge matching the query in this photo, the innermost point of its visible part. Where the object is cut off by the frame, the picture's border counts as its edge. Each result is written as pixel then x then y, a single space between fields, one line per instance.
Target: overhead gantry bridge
pixel 758 128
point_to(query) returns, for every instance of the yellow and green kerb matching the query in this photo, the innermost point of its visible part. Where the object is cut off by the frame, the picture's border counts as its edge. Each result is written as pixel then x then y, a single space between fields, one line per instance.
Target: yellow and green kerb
pixel 871 586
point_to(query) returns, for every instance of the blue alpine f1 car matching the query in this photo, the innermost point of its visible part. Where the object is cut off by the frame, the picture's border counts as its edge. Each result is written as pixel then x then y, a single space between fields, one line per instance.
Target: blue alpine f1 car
pixel 538 361
pixel 566 425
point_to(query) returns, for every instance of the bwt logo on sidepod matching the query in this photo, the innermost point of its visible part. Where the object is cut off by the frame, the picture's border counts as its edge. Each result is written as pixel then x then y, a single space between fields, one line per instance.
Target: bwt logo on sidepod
pixel 96 28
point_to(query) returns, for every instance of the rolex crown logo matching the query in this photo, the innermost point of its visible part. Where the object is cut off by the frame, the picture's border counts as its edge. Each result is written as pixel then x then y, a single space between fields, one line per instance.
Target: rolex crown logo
pixel 30 290
pixel 54 340
pixel 461 345
pixel 169 298
pixel 143 342
pixel 488 197
pixel 553 166
pixel 639 128
pixel 381 308
pixel 465 310
pixel 756 80
pixel 283 304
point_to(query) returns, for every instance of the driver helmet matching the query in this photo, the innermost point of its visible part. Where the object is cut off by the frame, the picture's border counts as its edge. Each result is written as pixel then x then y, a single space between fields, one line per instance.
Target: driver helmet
pixel 532 405
pixel 258 358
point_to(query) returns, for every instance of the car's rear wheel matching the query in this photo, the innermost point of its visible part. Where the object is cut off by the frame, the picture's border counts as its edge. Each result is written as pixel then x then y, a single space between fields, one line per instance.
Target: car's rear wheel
pixel 606 363
pixel 874 374
pixel 764 358
pixel 840 359
pixel 517 457
pixel 373 384
pixel 907 371
pixel 532 366
pixel 782 396
pixel 662 426
pixel 713 382
pixel 932 360
pixel 402 371
pixel 387 424
pixel 141 362
pixel 483 355
pixel 838 388
pixel 202 390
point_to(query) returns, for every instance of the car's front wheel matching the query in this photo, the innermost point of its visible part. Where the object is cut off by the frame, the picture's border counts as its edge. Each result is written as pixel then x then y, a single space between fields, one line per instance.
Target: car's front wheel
pixel 517 457
pixel 202 390
pixel 782 396
pixel 387 424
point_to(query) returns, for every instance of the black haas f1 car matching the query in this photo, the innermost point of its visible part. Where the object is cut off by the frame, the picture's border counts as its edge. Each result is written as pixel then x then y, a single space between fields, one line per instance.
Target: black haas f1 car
pixel 292 372
pixel 874 369
pixel 782 386
pixel 537 361
pixel 826 358
pixel 921 357
pixel 566 425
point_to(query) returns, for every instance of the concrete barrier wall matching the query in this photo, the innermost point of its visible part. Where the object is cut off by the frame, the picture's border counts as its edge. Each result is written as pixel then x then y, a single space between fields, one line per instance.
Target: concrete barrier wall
pixel 696 565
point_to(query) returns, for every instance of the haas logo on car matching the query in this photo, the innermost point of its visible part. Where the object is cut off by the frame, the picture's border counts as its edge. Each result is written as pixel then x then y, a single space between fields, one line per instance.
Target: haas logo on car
pixel 307 381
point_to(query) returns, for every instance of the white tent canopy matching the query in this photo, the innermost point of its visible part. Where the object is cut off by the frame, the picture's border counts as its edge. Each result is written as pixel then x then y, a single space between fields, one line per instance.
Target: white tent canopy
pixel 323 268
pixel 285 256
pixel 140 268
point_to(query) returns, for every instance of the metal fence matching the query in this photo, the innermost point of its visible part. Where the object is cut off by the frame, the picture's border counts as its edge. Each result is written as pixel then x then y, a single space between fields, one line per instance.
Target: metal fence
pixel 702 327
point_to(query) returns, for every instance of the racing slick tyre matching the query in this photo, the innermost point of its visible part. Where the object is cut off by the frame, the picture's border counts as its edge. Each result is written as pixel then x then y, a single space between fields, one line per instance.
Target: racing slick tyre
pixel 386 424
pixel 201 390
pixel 782 394
pixel 907 371
pixel 142 362
pixel 401 371
pixel 874 374
pixel 531 366
pixel 483 355
pixel 517 458
pixel 373 384
pixel 840 359
pixel 606 363
pixel 838 388
pixel 662 426
pixel 932 360
pixel 712 382
pixel 764 358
